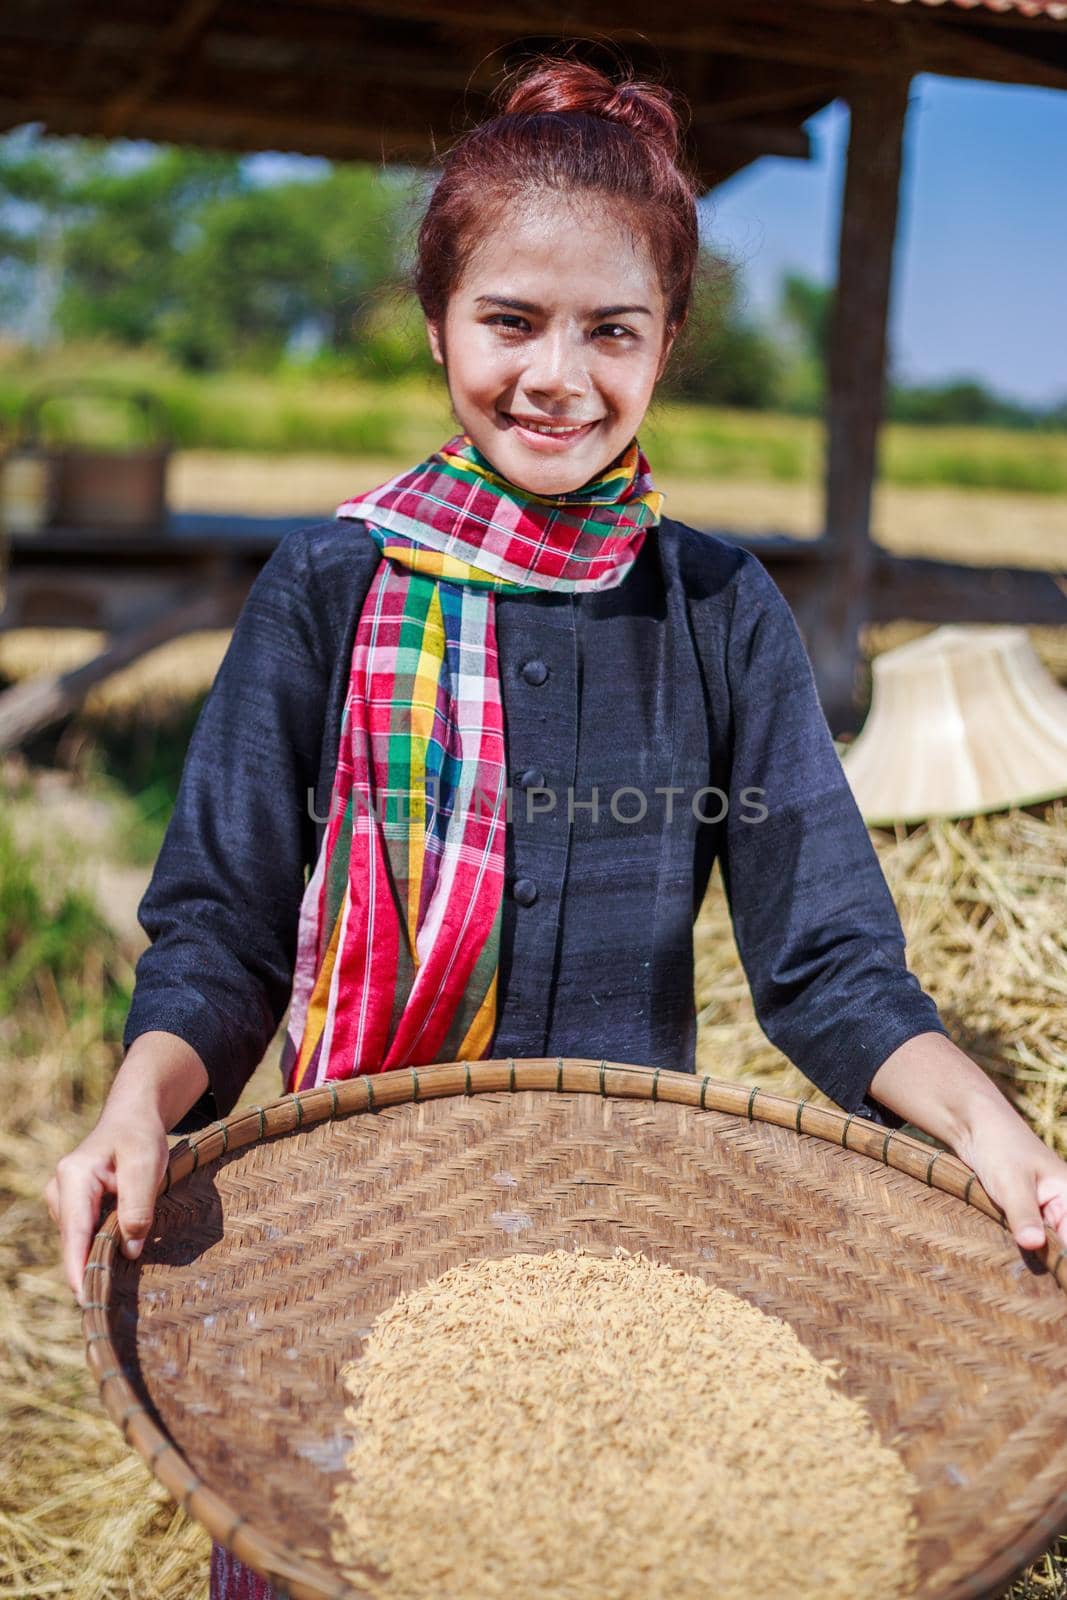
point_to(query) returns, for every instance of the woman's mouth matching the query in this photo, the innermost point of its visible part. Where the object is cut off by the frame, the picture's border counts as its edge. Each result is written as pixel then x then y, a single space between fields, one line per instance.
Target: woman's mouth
pixel 550 436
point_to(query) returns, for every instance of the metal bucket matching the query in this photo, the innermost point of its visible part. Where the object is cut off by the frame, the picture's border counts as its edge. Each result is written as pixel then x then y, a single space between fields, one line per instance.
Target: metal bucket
pixel 113 489
pixel 81 487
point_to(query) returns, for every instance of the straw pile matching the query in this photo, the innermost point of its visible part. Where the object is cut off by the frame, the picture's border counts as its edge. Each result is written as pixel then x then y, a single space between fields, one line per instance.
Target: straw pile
pixel 79 1513
pixel 982 905
pixel 569 1427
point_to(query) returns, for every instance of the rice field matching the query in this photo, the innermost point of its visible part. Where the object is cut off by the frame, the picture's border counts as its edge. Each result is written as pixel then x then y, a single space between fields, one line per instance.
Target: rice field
pixel 80 1516
pixel 979 527
pixel 397 419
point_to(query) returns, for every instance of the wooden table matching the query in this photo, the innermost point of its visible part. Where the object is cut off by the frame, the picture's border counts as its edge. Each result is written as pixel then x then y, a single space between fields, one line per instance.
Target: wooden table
pixel 143 588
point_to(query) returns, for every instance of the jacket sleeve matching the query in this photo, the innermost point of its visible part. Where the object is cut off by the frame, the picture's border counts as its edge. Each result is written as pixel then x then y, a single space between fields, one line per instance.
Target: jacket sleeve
pixel 816 926
pixel 222 907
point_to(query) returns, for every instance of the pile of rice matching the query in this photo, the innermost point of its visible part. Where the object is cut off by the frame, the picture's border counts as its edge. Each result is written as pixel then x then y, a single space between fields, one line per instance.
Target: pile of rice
pixel 586 1428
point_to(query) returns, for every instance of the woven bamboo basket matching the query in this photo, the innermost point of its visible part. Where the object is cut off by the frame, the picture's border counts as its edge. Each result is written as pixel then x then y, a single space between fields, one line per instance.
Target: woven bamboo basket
pixel 282 1231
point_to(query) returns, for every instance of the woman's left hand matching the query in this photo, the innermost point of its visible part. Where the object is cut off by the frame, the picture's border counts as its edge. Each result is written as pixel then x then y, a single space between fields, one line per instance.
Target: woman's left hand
pixel 1019 1171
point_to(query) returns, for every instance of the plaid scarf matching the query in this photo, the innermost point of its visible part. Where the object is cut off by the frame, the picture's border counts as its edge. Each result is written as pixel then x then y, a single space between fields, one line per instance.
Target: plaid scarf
pixel 400 922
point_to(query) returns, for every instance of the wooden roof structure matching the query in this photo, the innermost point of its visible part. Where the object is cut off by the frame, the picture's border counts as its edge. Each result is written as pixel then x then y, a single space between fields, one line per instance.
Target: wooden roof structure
pixel 363 79
pixel 395 79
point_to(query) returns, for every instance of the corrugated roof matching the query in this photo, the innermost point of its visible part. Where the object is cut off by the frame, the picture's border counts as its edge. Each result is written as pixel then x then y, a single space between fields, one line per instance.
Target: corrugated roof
pixel 1055 10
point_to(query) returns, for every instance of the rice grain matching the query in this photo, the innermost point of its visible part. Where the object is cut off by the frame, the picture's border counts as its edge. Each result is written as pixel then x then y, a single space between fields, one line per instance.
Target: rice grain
pixel 578 1427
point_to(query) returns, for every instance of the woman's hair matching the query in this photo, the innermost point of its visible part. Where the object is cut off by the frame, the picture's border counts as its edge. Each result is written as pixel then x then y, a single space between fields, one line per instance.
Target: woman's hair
pixel 565 128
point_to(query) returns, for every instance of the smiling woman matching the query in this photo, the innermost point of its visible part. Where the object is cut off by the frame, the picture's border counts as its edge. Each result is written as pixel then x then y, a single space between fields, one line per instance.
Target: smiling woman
pixel 458 786
pixel 553 340
pixel 556 262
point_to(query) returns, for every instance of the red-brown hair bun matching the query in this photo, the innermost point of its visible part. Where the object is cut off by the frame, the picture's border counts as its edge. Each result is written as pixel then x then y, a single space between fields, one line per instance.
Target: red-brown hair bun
pixel 561 85
pixel 567 128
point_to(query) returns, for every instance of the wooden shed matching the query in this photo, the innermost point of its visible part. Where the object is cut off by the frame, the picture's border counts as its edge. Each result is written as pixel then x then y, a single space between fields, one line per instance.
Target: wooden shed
pixel 367 79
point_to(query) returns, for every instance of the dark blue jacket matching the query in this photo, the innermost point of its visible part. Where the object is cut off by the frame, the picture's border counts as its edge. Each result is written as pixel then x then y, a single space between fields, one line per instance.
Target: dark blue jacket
pixel 650 729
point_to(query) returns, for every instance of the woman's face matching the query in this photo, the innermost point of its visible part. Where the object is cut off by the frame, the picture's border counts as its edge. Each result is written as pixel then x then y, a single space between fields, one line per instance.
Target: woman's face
pixel 553 340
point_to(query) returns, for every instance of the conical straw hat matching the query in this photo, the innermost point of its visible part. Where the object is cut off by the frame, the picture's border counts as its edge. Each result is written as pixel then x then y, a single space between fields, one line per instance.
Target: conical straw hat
pixel 963 720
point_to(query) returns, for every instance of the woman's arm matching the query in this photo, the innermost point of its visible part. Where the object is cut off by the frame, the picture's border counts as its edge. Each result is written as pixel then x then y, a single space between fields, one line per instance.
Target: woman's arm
pixel 816 927
pixel 821 940
pixel 930 1082
pixel 222 907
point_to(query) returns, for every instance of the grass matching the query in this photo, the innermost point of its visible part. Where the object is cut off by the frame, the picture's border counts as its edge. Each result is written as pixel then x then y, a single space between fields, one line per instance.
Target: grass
pixel 399 421
pixel 136 764
pixel 53 941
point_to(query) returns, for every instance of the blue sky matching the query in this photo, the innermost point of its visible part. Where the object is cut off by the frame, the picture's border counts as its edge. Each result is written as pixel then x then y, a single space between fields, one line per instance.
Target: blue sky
pixel 980 271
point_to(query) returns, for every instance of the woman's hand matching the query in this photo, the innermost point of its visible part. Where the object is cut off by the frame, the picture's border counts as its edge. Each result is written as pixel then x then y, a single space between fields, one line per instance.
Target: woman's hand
pixel 122 1156
pixel 931 1083
pixel 127 1152
pixel 1019 1171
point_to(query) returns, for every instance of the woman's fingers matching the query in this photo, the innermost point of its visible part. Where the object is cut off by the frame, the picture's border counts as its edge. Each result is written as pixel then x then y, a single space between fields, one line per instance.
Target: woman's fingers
pixel 118 1159
pixel 1019 1172
pixel 79 1190
pixel 1052 1198
pixel 138 1169
pixel 1017 1198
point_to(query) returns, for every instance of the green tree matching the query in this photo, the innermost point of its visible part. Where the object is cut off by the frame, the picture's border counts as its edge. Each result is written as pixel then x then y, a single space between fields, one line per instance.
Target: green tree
pixel 124 271
pixel 266 262
pixel 724 357
pixel 43 184
pixel 183 249
pixel 962 400
pixel 805 314
pixel 807 309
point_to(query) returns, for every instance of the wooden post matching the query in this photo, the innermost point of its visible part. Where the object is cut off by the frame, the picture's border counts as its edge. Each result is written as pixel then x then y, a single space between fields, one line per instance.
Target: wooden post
pixel 856 383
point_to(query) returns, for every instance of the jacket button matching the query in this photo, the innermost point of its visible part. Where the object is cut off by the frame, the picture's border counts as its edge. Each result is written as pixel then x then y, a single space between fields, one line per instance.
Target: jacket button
pixel 532 778
pixel 524 891
pixel 535 672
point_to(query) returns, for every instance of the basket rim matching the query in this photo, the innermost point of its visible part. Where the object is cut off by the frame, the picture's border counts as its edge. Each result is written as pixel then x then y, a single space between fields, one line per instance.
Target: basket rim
pixel 296 1577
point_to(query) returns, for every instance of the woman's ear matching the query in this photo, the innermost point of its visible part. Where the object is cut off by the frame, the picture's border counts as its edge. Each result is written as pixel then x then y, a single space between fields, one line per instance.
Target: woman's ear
pixel 668 345
pixel 437 345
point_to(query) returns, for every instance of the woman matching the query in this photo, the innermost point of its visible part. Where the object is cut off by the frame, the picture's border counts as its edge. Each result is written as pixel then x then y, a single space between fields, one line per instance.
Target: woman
pixel 506 716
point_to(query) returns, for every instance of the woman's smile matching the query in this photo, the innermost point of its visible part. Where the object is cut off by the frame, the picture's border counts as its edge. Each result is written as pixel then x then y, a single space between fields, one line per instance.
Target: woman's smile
pixel 549 437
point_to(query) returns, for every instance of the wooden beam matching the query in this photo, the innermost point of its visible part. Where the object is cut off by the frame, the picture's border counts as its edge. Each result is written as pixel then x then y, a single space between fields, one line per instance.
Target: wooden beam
pixel 242 70
pixel 941 591
pixel 741 105
pixel 961 15
pixel 392 128
pixel 857 375
pixel 860 37
pixel 856 36
pixel 749 140
pixel 250 89
pixel 860 41
pixel 173 44
pixel 399 131
pixel 37 703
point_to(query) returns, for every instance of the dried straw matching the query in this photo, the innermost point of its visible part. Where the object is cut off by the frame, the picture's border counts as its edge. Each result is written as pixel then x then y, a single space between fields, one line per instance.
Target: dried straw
pixel 80 1515
pixel 982 906
pixel 571 1427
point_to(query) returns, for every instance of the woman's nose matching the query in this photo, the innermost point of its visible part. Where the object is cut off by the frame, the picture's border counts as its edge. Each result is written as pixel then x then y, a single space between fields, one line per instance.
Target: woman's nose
pixel 556 369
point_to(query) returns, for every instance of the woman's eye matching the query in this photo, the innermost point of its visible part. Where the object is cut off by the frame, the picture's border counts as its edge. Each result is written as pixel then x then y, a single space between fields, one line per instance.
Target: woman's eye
pixel 508 321
pixel 615 330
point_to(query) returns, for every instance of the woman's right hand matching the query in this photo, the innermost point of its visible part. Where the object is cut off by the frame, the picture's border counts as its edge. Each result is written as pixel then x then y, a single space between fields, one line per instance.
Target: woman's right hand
pixel 122 1156
pixel 126 1154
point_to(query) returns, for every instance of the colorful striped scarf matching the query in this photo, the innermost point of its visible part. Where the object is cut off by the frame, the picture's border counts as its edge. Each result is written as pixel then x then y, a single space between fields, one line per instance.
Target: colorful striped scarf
pixel 400 922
